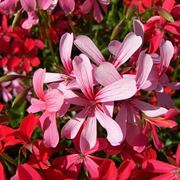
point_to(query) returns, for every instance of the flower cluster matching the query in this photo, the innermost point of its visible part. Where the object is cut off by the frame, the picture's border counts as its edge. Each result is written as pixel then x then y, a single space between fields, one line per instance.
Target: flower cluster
pixel 98 106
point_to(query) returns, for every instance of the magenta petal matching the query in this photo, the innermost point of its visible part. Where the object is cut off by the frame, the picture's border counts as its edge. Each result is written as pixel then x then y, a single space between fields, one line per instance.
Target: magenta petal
pixel 86 6
pixel 89 134
pixel 26 171
pixel 87 46
pixel 44 4
pixel 106 74
pixel 158 166
pixel 98 16
pixel 50 135
pixel 138 28
pixel 8 6
pixel 122 119
pixel 67 6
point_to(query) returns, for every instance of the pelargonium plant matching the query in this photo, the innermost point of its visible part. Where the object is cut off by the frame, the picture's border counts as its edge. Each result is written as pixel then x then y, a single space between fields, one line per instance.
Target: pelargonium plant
pixel 89 89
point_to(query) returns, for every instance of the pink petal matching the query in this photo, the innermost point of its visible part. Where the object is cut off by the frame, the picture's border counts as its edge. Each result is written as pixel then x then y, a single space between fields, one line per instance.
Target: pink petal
pixel 31 20
pixel 91 166
pixel 119 90
pixel 87 46
pixel 106 74
pixel 129 46
pixel 72 127
pixel 166 53
pixel 28 5
pixel 114 133
pixel 89 134
pixel 83 72
pixel 50 135
pixel 38 80
pixel 54 77
pixel 143 68
pixel 148 109
pixel 65 48
pixel 114 47
pixel 138 28
pixel 54 100
pixel 108 108
pixel 44 4
pixel 8 6
pixel 105 2
pixel 36 106
pixel 67 6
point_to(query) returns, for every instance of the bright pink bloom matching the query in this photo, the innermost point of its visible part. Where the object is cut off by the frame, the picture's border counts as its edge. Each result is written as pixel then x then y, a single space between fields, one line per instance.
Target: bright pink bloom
pixel 99 106
pixel 49 103
pixel 122 51
pixel 96 5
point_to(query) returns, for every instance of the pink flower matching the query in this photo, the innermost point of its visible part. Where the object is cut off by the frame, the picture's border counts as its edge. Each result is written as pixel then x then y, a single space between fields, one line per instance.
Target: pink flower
pixel 31 7
pixel 49 103
pixel 99 106
pixel 122 51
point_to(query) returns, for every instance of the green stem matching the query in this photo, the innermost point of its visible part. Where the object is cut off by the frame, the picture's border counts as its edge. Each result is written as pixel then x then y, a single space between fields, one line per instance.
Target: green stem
pixel 9 159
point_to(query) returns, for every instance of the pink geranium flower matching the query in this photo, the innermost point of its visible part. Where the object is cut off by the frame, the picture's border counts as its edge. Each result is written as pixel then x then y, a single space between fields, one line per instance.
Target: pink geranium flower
pixel 121 51
pixel 49 103
pixel 99 106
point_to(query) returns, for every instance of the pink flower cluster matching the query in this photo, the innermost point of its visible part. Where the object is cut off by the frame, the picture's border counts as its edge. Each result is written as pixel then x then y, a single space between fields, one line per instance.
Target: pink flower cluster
pixel 98 116
pixel 102 92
